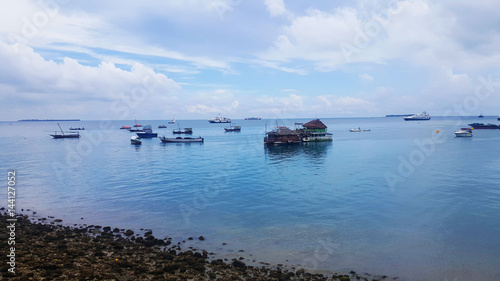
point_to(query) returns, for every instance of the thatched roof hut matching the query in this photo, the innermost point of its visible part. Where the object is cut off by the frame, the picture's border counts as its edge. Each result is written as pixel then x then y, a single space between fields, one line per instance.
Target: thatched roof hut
pixel 314 124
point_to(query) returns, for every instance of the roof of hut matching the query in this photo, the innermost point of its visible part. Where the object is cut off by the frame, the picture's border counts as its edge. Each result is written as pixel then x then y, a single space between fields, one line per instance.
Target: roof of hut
pixel 314 124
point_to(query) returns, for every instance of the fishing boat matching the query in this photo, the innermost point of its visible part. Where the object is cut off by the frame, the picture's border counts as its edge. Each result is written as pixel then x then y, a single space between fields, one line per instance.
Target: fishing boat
pixel 355 130
pixel 181 140
pixel 147 132
pixel 137 125
pixel 484 126
pixel 125 127
pixel 173 121
pixel 232 128
pixel 162 127
pixel 76 129
pixel 135 140
pixel 481 115
pixel 464 132
pixel 418 117
pixel 187 131
pixel 253 118
pixel 136 130
pixel 71 135
pixel 219 119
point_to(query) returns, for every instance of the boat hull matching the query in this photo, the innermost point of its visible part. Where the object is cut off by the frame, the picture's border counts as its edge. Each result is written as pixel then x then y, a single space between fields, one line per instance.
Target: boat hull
pixel 144 135
pixel 71 136
pixel 181 140
pixel 462 135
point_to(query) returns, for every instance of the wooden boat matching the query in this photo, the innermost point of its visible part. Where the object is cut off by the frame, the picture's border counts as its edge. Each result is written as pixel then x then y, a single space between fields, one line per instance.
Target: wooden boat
pixel 71 135
pixel 181 140
pixel 232 128
pixel 147 132
pixel 135 140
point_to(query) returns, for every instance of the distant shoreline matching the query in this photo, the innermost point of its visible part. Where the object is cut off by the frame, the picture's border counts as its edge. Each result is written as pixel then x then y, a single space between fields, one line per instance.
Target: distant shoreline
pixel 38 120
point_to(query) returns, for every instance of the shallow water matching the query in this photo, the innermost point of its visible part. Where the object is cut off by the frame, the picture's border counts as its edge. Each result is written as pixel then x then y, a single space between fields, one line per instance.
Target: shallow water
pixel 400 200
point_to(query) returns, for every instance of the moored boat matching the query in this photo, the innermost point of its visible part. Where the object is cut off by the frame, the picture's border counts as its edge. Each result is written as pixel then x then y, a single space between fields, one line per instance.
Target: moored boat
pixel 253 118
pixel 173 121
pixel 147 132
pixel 355 130
pixel 418 117
pixel 135 140
pixel 125 127
pixel 162 127
pixel 498 118
pixel 484 126
pixel 183 131
pixel 77 129
pixel 464 132
pixel 181 140
pixel 71 135
pixel 232 128
pixel 137 125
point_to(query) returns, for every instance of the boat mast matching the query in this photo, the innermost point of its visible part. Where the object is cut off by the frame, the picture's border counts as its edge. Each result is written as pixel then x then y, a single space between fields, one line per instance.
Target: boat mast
pixel 60 128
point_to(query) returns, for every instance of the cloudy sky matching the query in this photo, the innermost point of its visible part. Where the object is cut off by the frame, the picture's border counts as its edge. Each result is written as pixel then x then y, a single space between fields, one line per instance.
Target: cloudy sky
pixel 270 58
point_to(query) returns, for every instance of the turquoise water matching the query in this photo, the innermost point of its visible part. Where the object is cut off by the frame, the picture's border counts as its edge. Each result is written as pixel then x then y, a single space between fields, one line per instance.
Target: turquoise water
pixel 401 199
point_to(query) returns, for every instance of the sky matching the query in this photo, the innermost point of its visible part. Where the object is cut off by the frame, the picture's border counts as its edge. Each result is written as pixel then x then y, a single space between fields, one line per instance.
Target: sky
pixel 196 59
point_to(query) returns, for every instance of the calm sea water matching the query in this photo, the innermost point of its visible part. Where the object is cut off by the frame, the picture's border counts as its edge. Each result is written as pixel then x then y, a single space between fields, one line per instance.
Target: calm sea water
pixel 402 199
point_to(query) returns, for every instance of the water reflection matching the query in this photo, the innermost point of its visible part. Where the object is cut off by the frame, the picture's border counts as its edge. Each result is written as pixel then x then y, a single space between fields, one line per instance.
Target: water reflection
pixel 310 150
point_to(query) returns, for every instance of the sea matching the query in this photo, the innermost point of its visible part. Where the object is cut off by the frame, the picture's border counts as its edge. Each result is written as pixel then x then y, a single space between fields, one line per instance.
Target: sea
pixel 402 199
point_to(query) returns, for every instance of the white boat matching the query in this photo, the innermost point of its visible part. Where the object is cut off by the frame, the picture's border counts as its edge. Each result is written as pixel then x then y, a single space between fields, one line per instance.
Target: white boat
pixel 172 122
pixel 464 132
pixel 219 119
pixel 355 130
pixel 179 139
pixel 418 117
pixel 135 140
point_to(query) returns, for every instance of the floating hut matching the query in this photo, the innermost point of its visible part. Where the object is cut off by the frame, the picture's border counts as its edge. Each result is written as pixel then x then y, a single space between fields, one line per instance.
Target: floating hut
pixel 311 131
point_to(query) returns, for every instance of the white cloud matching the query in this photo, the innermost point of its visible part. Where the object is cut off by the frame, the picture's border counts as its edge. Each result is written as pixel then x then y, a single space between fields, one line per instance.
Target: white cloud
pixel 40 85
pixel 366 77
pixel 277 8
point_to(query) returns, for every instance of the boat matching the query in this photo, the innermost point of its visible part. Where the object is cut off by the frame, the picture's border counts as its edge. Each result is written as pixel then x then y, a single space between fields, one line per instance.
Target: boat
pixel 136 130
pixel 312 131
pixel 232 128
pixel 484 126
pixel 498 118
pixel 71 135
pixel 183 131
pixel 125 127
pixel 135 140
pixel 173 121
pixel 219 119
pixel 137 125
pixel 355 130
pixel 147 132
pixel 481 115
pixel 253 118
pixel 180 140
pixel 464 132
pixel 418 117
pixel 77 129
pixel 162 126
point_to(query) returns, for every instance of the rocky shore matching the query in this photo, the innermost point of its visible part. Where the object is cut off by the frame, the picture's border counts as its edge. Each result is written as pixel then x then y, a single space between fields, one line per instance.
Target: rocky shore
pixel 47 250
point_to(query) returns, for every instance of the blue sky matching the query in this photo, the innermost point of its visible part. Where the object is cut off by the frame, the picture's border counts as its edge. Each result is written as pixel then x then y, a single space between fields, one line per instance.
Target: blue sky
pixel 272 58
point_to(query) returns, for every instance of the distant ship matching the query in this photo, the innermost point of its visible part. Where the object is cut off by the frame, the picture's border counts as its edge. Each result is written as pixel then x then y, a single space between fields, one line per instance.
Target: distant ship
pixel 481 115
pixel 418 117
pixel 253 118
pixel 218 119
pixel 483 126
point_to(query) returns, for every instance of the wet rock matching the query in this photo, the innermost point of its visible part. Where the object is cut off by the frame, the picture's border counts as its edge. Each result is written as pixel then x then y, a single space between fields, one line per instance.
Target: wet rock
pixel 129 232
pixel 201 238
pixel 239 264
